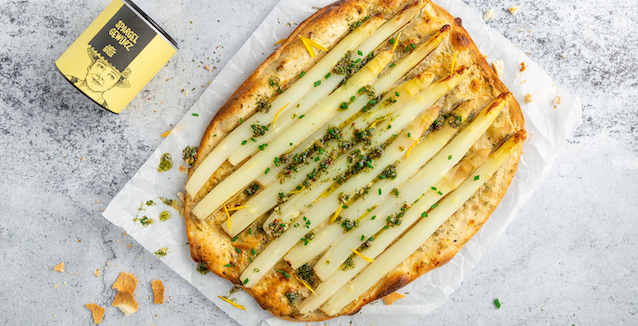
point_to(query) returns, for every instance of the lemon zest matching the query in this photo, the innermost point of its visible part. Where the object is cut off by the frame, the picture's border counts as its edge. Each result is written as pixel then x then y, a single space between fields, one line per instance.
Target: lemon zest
pixel 334 217
pixel 410 149
pixel 280 41
pixel 298 191
pixel 396 42
pixel 277 115
pixel 309 44
pixel 237 208
pixel 376 121
pixel 362 256
pixel 305 284
pixel 234 304
pixel 166 133
pixel 453 62
pixel 228 219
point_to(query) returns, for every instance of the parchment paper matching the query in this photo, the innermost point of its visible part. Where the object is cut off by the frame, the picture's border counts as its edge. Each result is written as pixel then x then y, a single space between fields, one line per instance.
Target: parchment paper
pixel 546 126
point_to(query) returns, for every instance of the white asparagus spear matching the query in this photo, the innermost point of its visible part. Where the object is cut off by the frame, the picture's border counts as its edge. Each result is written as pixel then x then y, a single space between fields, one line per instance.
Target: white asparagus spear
pixel 413 239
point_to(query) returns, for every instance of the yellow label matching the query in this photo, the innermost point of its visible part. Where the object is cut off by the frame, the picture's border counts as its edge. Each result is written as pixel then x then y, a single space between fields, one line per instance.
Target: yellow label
pixel 115 57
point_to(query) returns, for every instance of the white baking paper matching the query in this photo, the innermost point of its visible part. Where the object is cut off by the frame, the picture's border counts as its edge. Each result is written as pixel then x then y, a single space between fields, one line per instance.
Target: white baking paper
pixel 547 127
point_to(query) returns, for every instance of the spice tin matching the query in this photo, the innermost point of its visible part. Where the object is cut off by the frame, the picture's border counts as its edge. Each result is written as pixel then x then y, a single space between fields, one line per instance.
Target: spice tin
pixel 117 55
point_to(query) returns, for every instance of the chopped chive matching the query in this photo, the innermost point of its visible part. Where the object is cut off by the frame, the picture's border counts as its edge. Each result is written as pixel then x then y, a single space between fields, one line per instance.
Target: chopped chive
pixel 228 265
pixel 238 250
pixel 497 303
pixel 397 94
pixel 433 188
pixel 196 114
pixel 267 170
pixel 234 239
pixel 359 52
pixel 363 236
pixel 320 150
pixel 392 41
pixel 409 135
pixel 301 116
pixel 245 281
pixel 250 230
pixel 440 193
pixel 241 120
pixel 327 76
pixel 251 260
pixel 317 83
pixel 449 157
pixel 296 225
pixel 412 46
pixel 352 98
pixel 369 164
pixel 424 214
pixel 373 217
pixel 379 191
pixel 362 89
pixel 369 210
pixel 256 270
pixel 290 144
pixel 344 206
pixel 476 177
pixel 392 65
pixel 301 74
pixel 434 206
pixel 252 251
pixel 317 159
pixel 244 142
pixel 284 273
pixel 253 139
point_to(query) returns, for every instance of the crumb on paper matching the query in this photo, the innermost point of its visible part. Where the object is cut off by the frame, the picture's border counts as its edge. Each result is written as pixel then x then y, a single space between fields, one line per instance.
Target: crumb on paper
pixel 489 15
pixel 181 196
pixel 158 291
pixel 518 75
pixel 392 297
pixel 125 301
pixel 59 267
pixel 96 311
pixel 498 67
pixel 523 66
pixel 514 10
pixel 97 272
pixel 528 98
pixel 125 282
pixel 557 100
pixel 183 169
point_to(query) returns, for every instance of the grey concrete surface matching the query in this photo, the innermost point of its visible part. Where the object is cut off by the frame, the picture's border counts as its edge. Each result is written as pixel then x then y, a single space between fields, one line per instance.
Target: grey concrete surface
pixel 569 258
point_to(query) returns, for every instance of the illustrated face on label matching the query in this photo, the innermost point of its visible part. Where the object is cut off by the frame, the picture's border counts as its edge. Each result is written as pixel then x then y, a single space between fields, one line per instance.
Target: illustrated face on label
pixel 101 77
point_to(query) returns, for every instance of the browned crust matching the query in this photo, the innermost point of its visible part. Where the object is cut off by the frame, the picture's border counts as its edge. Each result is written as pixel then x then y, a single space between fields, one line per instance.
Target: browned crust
pixel 210 244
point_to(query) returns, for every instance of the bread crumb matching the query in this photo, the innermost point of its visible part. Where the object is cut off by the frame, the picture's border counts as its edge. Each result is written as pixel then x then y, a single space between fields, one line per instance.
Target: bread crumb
pixel 56 285
pixel 182 169
pixel 514 10
pixel 207 68
pixel 186 93
pixel 498 67
pixel 523 67
pixel 392 297
pixel 82 158
pixel 564 56
pixel 96 311
pixel 125 301
pixel 518 75
pixel 557 100
pixel 59 267
pixel 125 282
pixel 158 291
pixel 97 272
pixel 489 15
pixel 528 98
pixel 129 245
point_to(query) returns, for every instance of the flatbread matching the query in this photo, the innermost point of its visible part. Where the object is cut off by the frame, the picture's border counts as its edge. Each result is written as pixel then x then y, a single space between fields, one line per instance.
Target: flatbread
pixel 228 257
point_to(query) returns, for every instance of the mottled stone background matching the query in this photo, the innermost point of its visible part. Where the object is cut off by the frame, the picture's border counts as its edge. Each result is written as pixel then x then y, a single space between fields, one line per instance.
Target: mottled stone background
pixel 569 258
